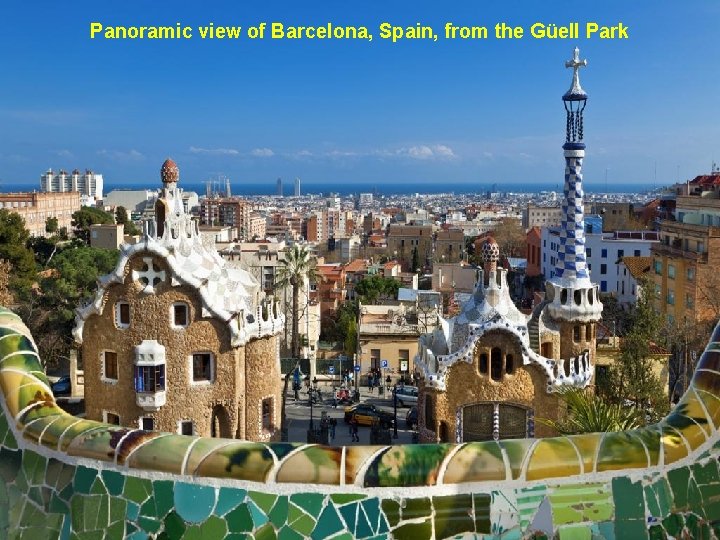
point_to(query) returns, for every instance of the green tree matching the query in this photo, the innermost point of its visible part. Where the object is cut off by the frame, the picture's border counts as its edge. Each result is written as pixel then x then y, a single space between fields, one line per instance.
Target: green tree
pixel 415 264
pixel 71 277
pixel 510 237
pixel 632 377
pixel 343 327
pixel 121 217
pixel 51 225
pixel 75 275
pixel 590 413
pixel 13 248
pixel 374 289
pixel 86 216
pixel 6 297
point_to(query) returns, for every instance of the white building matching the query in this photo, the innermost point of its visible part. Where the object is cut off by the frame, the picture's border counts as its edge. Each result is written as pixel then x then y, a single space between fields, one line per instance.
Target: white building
pixel 604 251
pixel 541 216
pixel 349 248
pixel 133 200
pixel 366 199
pixel 89 184
pixel 631 270
pixel 263 260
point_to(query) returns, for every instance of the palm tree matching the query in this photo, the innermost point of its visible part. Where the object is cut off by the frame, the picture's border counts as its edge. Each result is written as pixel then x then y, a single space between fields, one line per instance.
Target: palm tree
pixel 589 413
pixel 298 266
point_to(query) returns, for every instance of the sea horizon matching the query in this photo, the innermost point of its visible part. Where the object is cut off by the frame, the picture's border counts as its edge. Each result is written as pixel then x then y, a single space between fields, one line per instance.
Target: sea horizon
pixel 378 188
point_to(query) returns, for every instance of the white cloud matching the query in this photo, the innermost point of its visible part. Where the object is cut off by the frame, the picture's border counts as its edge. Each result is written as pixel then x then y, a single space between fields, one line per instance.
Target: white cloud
pixel 341 153
pixel 130 155
pixel 62 153
pixel 262 152
pixel 438 151
pixel 214 151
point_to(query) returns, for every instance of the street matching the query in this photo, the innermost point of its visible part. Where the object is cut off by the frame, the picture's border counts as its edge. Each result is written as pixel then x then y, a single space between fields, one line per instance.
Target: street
pixel 298 415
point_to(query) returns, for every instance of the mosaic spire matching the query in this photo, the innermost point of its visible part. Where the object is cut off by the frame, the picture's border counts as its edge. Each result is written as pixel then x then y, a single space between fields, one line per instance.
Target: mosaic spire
pixel 571 261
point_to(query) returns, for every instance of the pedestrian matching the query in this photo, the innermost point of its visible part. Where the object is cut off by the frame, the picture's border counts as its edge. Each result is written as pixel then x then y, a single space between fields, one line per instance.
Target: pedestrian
pixel 388 383
pixel 370 382
pixel 402 381
pixel 333 425
pixel 354 425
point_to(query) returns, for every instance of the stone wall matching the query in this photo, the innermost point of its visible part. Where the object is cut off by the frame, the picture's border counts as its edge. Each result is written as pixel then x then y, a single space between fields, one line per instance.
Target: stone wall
pixel 526 386
pixel 66 477
pixel 150 319
pixel 263 373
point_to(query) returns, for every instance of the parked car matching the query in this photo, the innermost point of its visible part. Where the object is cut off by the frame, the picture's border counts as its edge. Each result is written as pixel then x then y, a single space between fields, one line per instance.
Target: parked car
pixel 61 387
pixel 367 415
pixel 411 418
pixel 407 395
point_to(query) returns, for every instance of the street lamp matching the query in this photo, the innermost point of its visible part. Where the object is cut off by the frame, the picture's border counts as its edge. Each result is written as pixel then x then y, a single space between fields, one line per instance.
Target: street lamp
pixel 395 435
pixel 310 393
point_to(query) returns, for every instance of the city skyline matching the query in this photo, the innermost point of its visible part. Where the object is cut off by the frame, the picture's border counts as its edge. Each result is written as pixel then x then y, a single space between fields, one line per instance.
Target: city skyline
pixel 353 111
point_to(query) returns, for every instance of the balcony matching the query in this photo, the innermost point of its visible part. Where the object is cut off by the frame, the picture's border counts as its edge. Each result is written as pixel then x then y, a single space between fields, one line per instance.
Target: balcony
pixel 390 329
pixel 150 401
pixel 150 375
pixel 679 252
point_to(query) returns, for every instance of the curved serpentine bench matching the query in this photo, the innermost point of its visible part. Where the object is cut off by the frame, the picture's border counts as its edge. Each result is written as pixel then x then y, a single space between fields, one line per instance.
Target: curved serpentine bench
pixel 66 477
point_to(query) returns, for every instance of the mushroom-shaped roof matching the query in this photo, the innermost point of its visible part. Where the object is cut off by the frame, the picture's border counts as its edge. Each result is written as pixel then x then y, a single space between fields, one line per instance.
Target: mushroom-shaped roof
pixel 169 172
pixel 490 250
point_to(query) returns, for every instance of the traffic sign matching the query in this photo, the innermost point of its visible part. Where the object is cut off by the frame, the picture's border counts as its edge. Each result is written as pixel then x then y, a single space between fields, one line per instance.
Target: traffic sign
pixel 357 367
pixel 331 370
pixel 384 364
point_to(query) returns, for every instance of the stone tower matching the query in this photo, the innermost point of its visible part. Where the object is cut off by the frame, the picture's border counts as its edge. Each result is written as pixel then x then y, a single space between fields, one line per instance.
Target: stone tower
pixel 573 299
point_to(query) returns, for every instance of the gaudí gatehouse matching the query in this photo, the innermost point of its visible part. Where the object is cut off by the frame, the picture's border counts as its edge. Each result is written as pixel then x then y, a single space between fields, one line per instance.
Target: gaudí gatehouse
pixel 68 477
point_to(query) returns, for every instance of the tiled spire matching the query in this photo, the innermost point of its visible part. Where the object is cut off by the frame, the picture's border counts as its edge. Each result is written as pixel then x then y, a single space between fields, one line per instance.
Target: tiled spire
pixel 571 261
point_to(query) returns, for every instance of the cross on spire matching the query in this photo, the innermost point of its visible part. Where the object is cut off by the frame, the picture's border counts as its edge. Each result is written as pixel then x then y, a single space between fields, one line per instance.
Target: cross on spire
pixel 576 64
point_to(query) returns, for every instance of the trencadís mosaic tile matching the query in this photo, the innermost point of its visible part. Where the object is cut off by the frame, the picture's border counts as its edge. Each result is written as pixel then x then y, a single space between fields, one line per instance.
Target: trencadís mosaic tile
pixel 65 477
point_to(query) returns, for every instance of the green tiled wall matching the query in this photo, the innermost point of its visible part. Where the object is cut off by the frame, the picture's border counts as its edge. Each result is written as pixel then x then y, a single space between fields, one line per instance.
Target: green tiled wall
pixel 63 477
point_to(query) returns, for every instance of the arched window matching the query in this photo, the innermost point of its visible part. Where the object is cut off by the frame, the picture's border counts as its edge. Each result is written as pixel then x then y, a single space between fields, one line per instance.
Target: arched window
pixel 160 217
pixel 509 364
pixel 484 363
pixel 429 413
pixel 588 332
pixel 576 333
pixel 496 364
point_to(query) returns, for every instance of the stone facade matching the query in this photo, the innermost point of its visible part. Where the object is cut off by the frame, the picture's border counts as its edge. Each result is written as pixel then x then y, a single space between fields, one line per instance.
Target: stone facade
pixel 489 371
pixel 176 340
pixel 474 383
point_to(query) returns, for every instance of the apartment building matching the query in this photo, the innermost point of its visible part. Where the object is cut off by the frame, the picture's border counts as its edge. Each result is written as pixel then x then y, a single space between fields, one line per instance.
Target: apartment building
pixel 35 208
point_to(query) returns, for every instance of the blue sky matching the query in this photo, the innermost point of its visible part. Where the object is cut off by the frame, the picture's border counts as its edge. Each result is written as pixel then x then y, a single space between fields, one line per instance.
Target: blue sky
pixel 351 111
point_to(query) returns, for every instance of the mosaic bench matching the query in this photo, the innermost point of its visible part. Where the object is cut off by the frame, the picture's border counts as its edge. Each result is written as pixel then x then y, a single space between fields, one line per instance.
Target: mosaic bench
pixel 67 477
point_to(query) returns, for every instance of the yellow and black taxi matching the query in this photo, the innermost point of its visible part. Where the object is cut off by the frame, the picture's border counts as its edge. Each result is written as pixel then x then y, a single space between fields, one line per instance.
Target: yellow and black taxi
pixel 367 415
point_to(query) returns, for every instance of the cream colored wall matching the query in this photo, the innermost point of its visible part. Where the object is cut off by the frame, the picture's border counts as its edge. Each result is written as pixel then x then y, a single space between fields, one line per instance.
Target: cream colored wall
pixel 466 386
pixel 389 350
pixel 150 319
